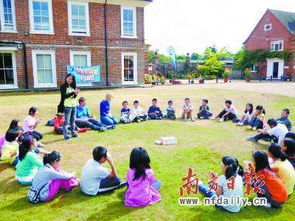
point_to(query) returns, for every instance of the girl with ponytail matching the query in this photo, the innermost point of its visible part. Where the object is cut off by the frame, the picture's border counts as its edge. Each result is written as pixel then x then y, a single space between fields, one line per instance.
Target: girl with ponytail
pixel 29 162
pixel 142 186
pixel 231 183
pixel 282 167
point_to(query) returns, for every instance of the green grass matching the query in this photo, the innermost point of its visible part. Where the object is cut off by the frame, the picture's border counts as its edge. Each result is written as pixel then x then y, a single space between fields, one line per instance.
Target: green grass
pixel 200 146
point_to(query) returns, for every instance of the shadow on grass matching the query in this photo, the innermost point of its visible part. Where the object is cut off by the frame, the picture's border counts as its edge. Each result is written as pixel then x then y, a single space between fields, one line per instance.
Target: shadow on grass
pixel 4 166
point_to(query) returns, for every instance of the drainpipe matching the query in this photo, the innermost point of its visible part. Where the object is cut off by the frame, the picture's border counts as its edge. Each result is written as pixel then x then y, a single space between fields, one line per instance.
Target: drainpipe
pixel 106 43
pixel 25 59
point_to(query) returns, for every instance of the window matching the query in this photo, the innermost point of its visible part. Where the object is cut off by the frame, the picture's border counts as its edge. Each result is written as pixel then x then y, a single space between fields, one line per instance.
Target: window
pixel 7 16
pixel 80 58
pixel 128 22
pixel 129 68
pixel 267 27
pixel 78 18
pixel 277 45
pixel 254 68
pixel 7 70
pixel 41 16
pixel 44 68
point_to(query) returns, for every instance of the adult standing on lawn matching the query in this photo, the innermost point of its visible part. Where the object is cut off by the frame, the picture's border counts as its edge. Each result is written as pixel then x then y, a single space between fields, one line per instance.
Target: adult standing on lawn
pixel 67 104
pixel 106 117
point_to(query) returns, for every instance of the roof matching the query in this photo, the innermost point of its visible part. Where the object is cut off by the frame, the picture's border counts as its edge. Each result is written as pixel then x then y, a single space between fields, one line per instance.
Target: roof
pixel 286 18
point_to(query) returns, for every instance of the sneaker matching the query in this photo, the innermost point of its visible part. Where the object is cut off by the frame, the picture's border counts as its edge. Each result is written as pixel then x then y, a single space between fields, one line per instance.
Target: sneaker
pixel 253 128
pixel 102 129
pixel 67 137
pixel 138 121
pixel 121 185
pixel 193 120
pixel 268 205
pixel 75 135
pixel 251 139
pixel 221 120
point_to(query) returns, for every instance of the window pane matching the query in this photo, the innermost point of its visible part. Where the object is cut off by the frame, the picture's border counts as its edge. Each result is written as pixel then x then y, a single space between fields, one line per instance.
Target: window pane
pixel 2 77
pixel 9 76
pixel 41 16
pixel 48 76
pixel 41 77
pixel 47 61
pixel 6 69
pixel 7 60
pixel 78 18
pixel 40 63
pixel 1 61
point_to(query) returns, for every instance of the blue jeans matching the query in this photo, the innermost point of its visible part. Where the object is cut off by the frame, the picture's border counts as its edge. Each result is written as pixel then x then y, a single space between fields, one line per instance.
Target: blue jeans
pixel 109 184
pixel 255 122
pixel 70 115
pixel 91 123
pixel 35 134
pixel 204 115
pixel 269 198
pixel 155 116
pixel 108 120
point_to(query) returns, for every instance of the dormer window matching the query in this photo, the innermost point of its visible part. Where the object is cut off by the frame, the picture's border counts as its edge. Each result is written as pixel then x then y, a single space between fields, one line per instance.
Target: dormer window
pixel 267 27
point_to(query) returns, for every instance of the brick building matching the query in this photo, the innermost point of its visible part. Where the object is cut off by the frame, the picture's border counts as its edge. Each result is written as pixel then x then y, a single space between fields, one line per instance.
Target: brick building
pixel 276 32
pixel 39 38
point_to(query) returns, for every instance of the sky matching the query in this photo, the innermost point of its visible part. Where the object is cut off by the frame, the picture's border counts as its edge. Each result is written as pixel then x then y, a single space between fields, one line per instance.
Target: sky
pixel 192 25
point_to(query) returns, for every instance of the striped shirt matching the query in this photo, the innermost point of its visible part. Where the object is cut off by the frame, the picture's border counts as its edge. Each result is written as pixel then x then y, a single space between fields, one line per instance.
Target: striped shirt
pixel 44 177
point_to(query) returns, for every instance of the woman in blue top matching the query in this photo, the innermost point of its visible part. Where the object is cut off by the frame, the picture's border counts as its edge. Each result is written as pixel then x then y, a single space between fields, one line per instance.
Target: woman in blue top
pixel 106 116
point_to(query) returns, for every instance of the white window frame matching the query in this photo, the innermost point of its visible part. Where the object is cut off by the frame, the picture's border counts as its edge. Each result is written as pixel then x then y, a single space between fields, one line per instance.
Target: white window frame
pixel 86 4
pixel 273 43
pixel 87 53
pixel 134 54
pixel 134 22
pixel 265 29
pixel 32 25
pixel 253 68
pixel 53 64
pixel 15 85
pixel 2 17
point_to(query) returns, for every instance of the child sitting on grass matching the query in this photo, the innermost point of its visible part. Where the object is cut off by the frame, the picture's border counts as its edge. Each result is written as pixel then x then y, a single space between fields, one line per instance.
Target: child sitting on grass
pixel 288 146
pixel 29 161
pixel 10 147
pixel 276 133
pixel 247 115
pixel 30 124
pixel 50 179
pixel 95 178
pixel 274 190
pixel 231 170
pixel 137 113
pixel 257 121
pixel 142 186
pixel 228 113
pixel 125 113
pixel 284 119
pixel 170 111
pixel 187 110
pixel 84 119
pixel 204 110
pixel 58 123
pixel 282 167
pixel 154 111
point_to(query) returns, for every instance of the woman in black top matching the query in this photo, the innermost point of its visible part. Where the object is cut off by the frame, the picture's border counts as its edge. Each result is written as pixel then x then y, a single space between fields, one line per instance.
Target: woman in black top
pixel 67 104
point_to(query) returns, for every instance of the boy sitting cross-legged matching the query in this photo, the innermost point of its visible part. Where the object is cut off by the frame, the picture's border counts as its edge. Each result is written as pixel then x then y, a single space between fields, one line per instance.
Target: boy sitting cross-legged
pixel 137 113
pixel 125 113
pixel 154 111
pixel 187 110
pixel 204 110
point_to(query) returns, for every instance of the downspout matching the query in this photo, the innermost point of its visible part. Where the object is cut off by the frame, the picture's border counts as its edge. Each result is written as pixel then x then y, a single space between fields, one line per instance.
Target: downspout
pixel 25 59
pixel 106 43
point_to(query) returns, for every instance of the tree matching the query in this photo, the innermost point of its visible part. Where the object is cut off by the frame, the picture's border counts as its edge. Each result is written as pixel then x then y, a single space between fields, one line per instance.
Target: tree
pixel 212 65
pixel 196 56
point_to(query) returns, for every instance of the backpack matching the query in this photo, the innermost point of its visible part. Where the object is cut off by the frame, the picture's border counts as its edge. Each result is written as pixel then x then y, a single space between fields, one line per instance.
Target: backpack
pixel 34 195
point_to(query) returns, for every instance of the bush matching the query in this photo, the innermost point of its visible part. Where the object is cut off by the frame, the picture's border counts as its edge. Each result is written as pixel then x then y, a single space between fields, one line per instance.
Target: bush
pixel 247 73
pixel 227 73
pixel 148 78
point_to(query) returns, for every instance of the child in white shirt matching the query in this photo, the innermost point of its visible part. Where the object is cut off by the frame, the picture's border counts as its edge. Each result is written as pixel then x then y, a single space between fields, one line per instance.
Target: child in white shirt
pixel 187 110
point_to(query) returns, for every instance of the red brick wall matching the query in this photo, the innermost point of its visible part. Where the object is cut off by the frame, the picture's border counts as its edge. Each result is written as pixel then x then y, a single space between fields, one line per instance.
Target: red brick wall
pixel 62 43
pixel 260 39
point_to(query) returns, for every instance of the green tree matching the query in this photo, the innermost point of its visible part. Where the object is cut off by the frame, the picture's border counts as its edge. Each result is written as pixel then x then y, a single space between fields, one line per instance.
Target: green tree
pixel 196 56
pixel 212 65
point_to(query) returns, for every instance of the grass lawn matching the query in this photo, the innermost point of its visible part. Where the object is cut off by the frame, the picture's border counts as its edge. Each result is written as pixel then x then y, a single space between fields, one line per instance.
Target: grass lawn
pixel 201 145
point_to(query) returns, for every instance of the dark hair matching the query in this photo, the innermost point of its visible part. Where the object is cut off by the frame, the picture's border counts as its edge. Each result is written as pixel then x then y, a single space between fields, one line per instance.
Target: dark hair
pixel 170 102
pixel 81 99
pixel 124 102
pixel 99 152
pixel 135 102
pixel 13 124
pixel 276 151
pixel 290 135
pixel 11 135
pixel 290 144
pixel 287 110
pixel 49 158
pixel 260 108
pixel 251 109
pixel 32 110
pixel 233 167
pixel 261 160
pixel 139 160
pixel 187 99
pixel 73 85
pixel 155 99
pixel 205 100
pixel 25 146
pixel 228 102
pixel 272 122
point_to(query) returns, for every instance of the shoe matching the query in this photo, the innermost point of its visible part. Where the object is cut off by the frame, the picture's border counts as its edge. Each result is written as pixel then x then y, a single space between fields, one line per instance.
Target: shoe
pixel 121 185
pixel 75 135
pixel 253 128
pixel 193 120
pixel 102 129
pixel 268 205
pixel 221 120
pixel 67 137
pixel 138 121
pixel 251 139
